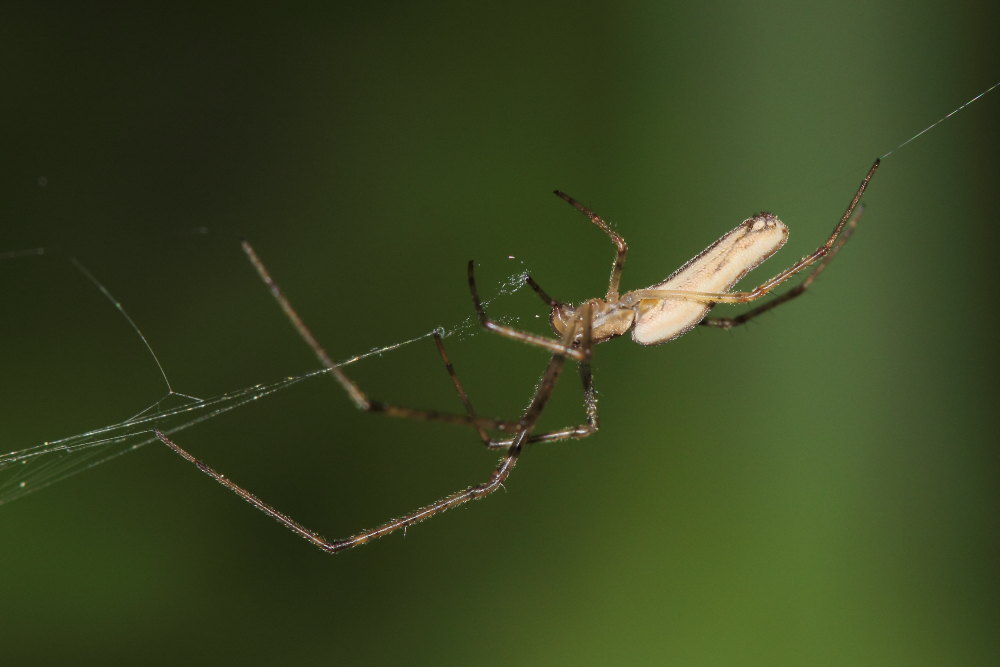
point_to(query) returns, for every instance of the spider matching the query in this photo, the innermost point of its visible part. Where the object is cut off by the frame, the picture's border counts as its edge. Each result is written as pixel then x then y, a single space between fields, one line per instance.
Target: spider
pixel 657 314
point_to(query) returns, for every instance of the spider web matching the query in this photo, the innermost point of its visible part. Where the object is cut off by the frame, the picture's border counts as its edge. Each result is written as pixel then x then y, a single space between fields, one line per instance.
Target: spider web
pixel 26 470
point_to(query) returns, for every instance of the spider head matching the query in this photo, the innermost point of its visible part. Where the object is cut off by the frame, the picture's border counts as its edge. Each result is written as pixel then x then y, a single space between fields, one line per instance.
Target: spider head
pixel 561 317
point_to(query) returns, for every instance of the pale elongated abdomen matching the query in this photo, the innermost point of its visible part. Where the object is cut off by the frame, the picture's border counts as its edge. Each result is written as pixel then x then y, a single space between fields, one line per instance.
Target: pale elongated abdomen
pixel 715 269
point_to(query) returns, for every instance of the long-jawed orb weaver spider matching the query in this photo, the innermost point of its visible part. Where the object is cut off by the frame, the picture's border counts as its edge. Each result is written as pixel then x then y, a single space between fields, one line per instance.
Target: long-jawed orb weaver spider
pixel 657 314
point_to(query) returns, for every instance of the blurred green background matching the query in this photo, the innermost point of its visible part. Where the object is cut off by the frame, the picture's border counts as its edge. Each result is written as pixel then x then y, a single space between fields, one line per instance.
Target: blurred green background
pixel 819 488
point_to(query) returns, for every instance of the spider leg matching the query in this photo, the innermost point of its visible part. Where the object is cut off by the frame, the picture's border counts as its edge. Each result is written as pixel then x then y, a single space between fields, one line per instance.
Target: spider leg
pixel 542 294
pixel 618 241
pixel 357 396
pixel 587 378
pixel 460 390
pixel 525 425
pixel 730 322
